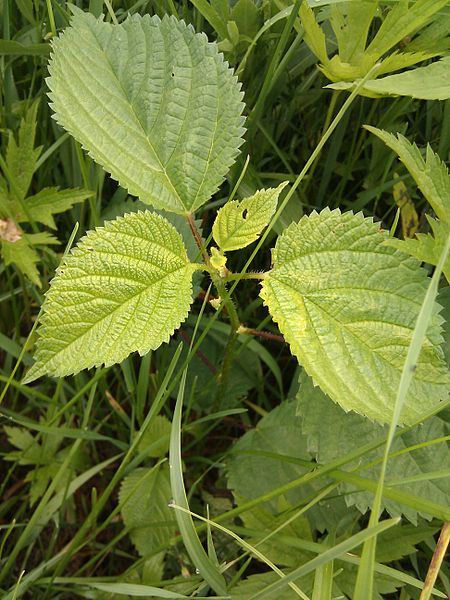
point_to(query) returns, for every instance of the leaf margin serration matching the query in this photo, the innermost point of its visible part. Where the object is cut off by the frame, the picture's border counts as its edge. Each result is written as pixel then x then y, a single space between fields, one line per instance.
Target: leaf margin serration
pixel 306 357
pixel 44 367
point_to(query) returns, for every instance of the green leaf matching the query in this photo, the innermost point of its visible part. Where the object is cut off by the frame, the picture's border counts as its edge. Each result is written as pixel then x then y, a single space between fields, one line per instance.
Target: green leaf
pixel 153 102
pixel 426 247
pixel 51 201
pixel 255 467
pixel 328 427
pixel 405 18
pixel 155 440
pixel 347 305
pixel 351 22
pixel 426 83
pixel 238 224
pixel 23 255
pixel 124 288
pixel 21 155
pixel 144 497
pixel 431 174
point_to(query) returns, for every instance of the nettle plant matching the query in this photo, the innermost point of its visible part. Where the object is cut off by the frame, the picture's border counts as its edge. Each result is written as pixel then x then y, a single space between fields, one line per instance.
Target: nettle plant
pixel 158 107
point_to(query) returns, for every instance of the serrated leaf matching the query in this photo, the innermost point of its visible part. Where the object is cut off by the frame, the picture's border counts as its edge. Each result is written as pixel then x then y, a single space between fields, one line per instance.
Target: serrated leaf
pixel 23 255
pixel 431 175
pixel 238 224
pixel 347 305
pixel 404 18
pixel 51 201
pixel 426 83
pixel 351 22
pixel 21 155
pixel 328 427
pixel 426 247
pixel 124 288
pixel 252 474
pixel 144 497
pixel 153 102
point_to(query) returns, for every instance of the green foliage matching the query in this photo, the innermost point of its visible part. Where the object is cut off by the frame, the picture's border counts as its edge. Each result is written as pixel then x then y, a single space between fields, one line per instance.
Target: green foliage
pixel 418 472
pixel 16 244
pixel 357 54
pixel 144 497
pixel 238 224
pixel 427 83
pixel 432 177
pixel 124 288
pixel 85 511
pixel 355 302
pixel 152 102
pixel 45 456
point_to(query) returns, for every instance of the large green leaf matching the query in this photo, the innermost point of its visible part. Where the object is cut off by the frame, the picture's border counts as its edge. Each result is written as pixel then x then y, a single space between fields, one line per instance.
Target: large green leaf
pixel 256 467
pixel 124 288
pixel 331 432
pixel 153 102
pixel 347 305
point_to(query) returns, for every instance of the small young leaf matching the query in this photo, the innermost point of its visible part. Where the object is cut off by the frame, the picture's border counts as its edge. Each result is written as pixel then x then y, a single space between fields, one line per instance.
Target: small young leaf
pixel 238 224
pixel 153 102
pixel 124 288
pixel 347 304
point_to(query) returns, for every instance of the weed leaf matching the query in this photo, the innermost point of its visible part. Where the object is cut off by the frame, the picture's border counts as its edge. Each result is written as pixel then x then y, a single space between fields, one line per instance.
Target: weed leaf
pixel 347 304
pixel 238 224
pixel 153 102
pixel 124 288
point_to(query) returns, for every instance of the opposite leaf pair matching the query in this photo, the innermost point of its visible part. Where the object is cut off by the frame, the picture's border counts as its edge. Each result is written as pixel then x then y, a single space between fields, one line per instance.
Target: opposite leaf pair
pixel 157 106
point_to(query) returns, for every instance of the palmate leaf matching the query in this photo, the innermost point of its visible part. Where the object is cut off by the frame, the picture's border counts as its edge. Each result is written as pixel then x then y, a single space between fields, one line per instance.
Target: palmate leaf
pixel 124 288
pixel 347 305
pixel 153 102
pixel 238 224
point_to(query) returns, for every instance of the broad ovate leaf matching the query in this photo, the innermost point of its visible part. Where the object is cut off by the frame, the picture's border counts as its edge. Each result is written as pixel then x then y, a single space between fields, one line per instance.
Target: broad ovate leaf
pixel 347 304
pixel 124 288
pixel 238 224
pixel 419 471
pixel 152 101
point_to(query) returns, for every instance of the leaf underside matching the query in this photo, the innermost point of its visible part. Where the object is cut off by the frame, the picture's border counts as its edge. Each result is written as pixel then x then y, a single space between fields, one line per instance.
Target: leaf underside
pixel 124 288
pixel 347 305
pixel 238 224
pixel 153 102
